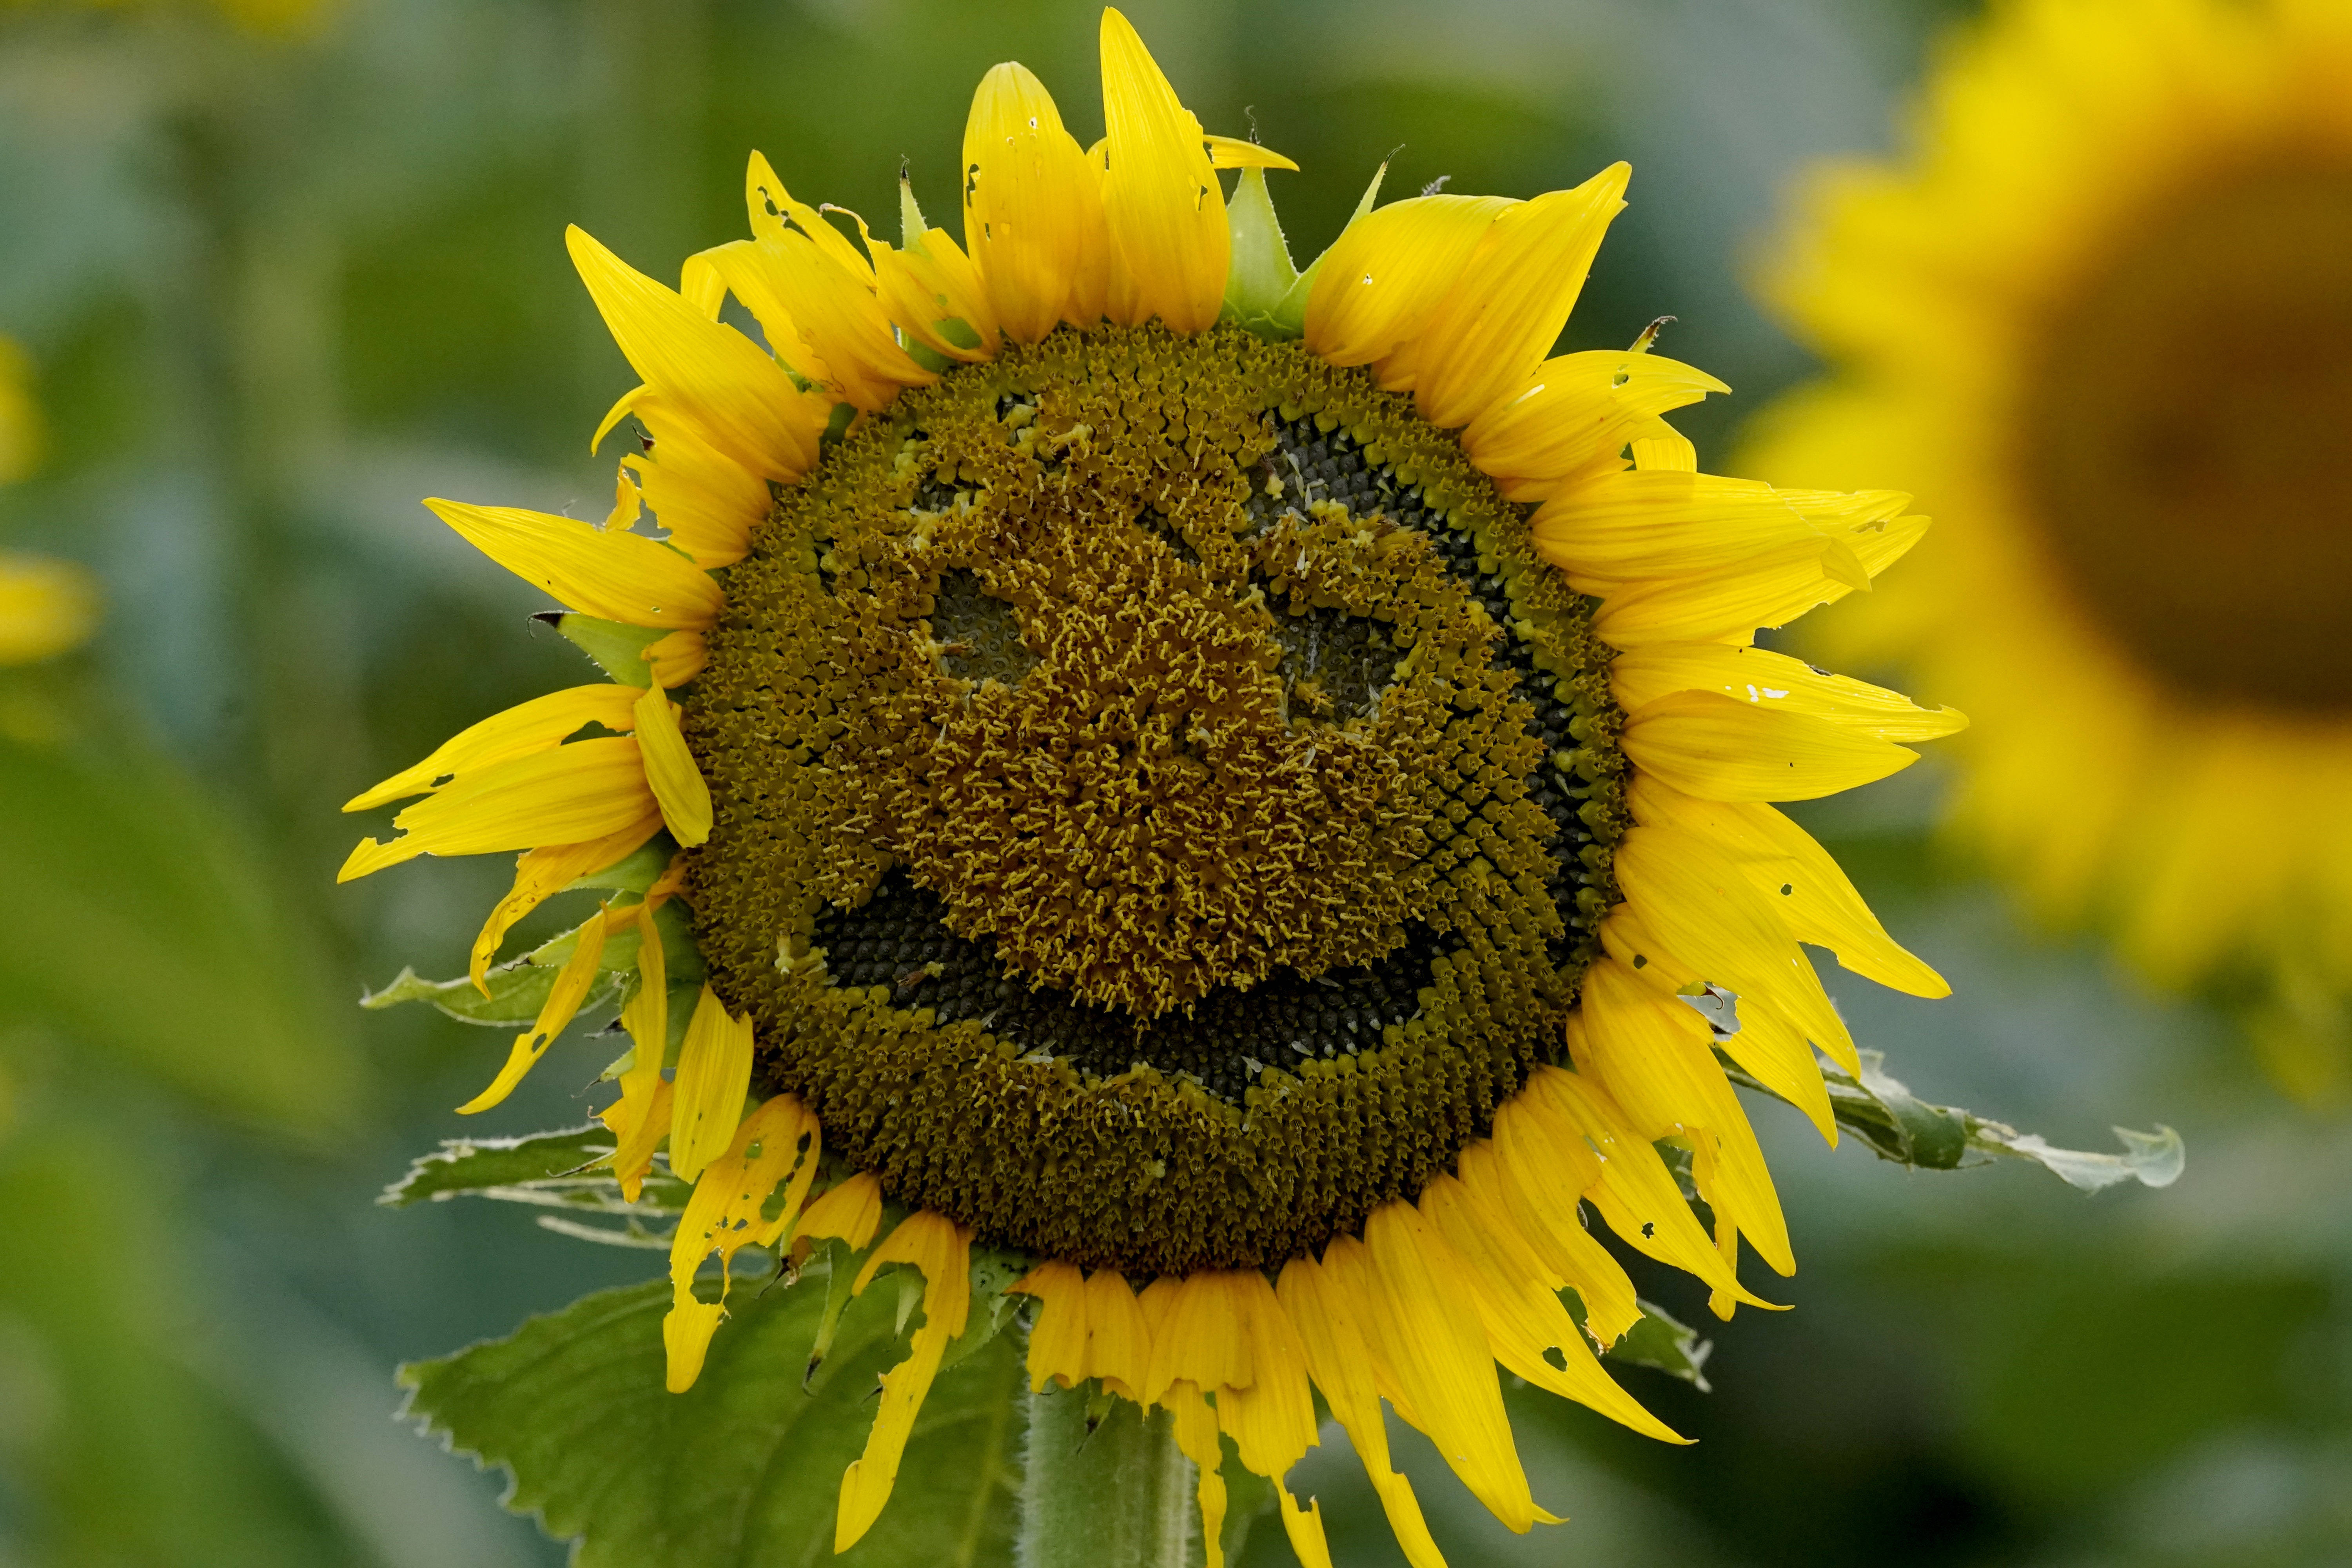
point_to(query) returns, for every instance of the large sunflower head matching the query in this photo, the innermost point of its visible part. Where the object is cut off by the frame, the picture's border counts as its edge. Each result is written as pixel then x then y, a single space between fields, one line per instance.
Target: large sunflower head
pixel 2102 313
pixel 1219 784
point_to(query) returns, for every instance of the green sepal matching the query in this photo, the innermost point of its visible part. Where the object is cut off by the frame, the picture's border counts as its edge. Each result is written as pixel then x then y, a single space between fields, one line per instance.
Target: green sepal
pixel 619 649
pixel 1897 1125
pixel 1287 318
pixel 1262 273
pixel 992 1273
pixel 1662 1342
pixel 743 1470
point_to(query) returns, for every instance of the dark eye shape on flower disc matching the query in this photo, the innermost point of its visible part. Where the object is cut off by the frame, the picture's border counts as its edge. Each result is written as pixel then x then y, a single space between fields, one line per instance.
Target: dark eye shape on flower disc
pixel 1164 806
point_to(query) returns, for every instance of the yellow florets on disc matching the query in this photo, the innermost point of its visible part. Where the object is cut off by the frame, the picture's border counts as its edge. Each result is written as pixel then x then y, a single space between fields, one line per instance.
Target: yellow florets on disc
pixel 1162 803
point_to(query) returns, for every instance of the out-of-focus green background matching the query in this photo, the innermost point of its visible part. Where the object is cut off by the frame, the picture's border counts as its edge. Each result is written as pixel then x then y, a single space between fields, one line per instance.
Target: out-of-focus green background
pixel 284 273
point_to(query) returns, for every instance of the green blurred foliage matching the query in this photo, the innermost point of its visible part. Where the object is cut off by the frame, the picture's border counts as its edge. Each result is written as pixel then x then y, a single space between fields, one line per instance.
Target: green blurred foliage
pixel 279 284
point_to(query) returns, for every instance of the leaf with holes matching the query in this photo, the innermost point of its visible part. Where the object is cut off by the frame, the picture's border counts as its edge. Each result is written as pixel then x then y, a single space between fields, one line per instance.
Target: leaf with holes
pixel 743 1470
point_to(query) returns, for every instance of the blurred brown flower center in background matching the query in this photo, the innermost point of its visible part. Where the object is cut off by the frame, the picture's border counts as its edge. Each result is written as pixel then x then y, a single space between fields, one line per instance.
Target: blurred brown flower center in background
pixel 2184 439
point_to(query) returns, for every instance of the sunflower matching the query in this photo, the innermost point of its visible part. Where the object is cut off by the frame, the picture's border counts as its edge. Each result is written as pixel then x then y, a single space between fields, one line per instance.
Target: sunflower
pixel 2102 315
pixel 1220 782
pixel 47 606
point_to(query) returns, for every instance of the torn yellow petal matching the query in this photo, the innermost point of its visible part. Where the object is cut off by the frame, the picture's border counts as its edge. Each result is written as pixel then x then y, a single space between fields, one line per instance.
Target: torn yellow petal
pixel 1569 1260
pixel 1716 921
pixel 1025 186
pixel 1162 202
pixel 1196 1439
pixel 1272 1420
pixel 642 1088
pixel 1439 1357
pixel 1329 1322
pixel 1635 1194
pixel 724 1216
pixel 1200 1340
pixel 1775 1050
pixel 1227 152
pixel 843 323
pixel 543 872
pixel 587 790
pixel 624 577
pixel 738 396
pixel 1800 880
pixel 636 1127
pixel 707 502
pixel 570 989
pixel 1385 276
pixel 1523 1319
pixel 1773 680
pixel 850 1211
pixel 758 280
pixel 1574 414
pixel 1507 307
pixel 1719 748
pixel 776 211
pixel 538 725
pixel 1656 1056
pixel 714 1074
pixel 46 606
pixel 941 1249
pixel 670 769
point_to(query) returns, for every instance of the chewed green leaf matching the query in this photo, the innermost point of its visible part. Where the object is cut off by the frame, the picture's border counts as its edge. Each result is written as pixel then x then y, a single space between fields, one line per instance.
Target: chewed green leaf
pixel 518 988
pixel 1662 1342
pixel 556 1170
pixel 1899 1126
pixel 743 1470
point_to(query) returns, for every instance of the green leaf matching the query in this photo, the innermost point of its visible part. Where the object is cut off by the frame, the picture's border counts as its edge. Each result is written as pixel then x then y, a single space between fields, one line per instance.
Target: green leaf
pixel 518 988
pixel 148 927
pixel 742 1470
pixel 1898 1126
pixel 1662 1342
pixel 545 1167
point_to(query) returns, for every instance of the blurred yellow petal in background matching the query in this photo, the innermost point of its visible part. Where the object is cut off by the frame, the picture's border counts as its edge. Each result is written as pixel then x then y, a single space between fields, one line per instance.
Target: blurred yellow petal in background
pixel 2099 317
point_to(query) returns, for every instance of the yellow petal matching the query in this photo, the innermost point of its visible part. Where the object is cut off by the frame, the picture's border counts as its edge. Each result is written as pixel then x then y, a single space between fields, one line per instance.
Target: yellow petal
pixel 1226 152
pixel 1388 270
pixel 1662 449
pixel 1576 412
pixel 724 1216
pixel 714 1074
pixel 941 1249
pixel 643 1112
pixel 45 606
pixel 1025 186
pixel 1162 202
pixel 538 725
pixel 757 279
pixel 1768 590
pixel 1628 525
pixel 1439 1357
pixel 1777 682
pixel 670 769
pixel 1571 1259
pixel 1058 1339
pixel 708 502
pixel 1813 897
pixel 1716 921
pixel 563 999
pixel 843 323
pixel 738 396
pixel 543 872
pixel 636 1126
pixel 1201 1341
pixel 1271 1421
pixel 1717 748
pixel 930 285
pixel 1507 309
pixel 1635 1194
pixel 622 577
pixel 677 658
pixel 1657 1058
pixel 849 1211
pixel 587 790
pixel 1196 1439
pixel 1766 1043
pixel 1119 1340
pixel 1523 1319
pixel 1329 1322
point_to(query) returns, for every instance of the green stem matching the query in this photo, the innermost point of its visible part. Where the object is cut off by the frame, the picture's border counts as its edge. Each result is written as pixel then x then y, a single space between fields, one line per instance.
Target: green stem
pixel 1118 1497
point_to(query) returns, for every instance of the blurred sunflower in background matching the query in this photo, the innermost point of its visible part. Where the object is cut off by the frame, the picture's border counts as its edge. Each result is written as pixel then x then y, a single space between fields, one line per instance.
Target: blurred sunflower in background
pixel 47 606
pixel 1217 798
pixel 2101 317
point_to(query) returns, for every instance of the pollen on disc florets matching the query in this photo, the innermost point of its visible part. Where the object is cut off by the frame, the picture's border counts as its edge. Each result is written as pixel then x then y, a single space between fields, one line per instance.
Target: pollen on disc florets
pixel 1163 806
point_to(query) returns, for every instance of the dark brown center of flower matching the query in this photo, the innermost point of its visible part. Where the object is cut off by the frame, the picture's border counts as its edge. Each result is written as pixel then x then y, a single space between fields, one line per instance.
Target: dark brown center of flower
pixel 2185 446
pixel 1162 805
